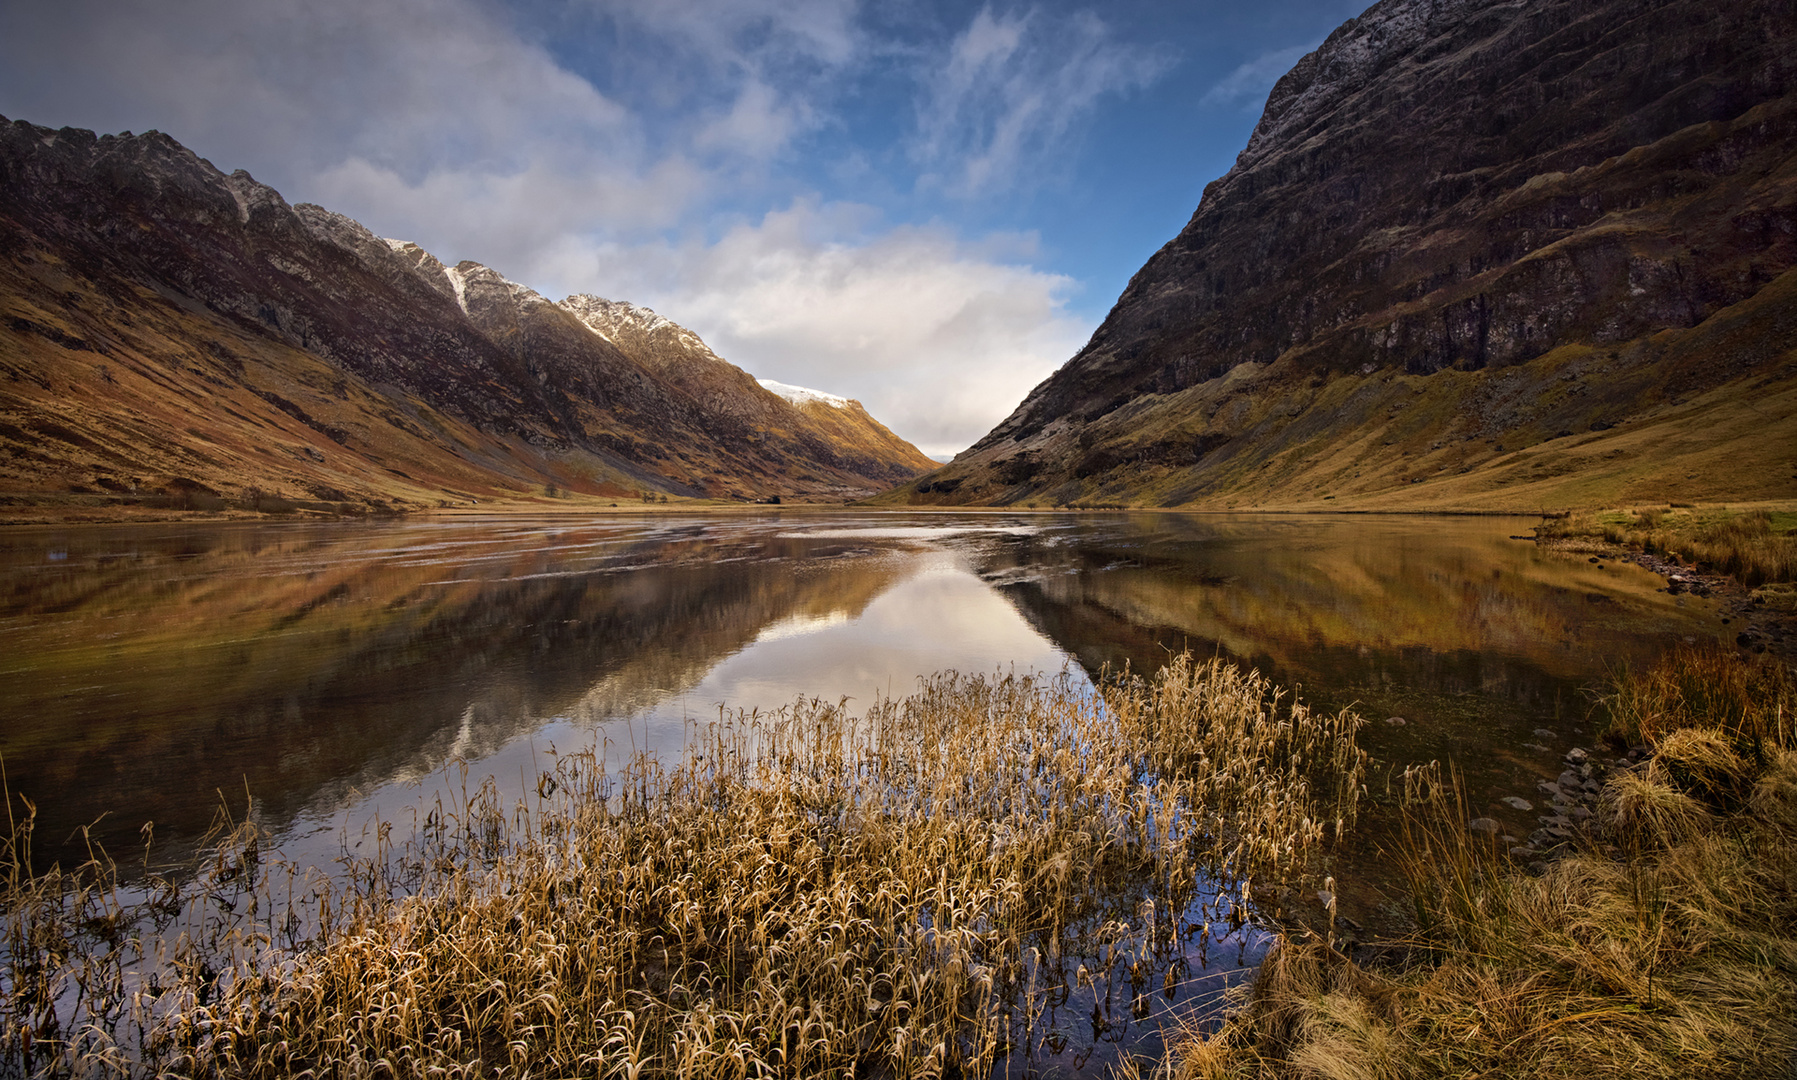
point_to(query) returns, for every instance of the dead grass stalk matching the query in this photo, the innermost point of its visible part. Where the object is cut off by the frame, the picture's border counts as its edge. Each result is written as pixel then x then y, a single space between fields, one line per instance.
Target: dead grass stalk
pixel 804 893
pixel 1666 948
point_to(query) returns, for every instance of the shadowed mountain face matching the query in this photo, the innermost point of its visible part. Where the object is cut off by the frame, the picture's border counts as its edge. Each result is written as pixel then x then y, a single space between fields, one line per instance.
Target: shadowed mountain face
pixel 164 324
pixel 1477 253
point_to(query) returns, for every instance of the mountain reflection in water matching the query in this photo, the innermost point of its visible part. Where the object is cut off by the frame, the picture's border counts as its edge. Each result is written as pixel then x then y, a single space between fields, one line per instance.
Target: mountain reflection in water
pixel 322 667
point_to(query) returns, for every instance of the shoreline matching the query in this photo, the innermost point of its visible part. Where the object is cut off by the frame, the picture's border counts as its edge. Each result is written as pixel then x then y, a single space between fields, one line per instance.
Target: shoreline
pixel 43 515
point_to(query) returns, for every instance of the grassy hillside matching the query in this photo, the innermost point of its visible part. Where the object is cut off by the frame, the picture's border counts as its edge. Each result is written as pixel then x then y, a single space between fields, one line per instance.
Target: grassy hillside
pixel 1705 414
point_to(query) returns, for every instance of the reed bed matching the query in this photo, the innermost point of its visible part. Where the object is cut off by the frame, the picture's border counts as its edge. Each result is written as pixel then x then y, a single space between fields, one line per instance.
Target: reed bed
pixel 1666 948
pixel 903 892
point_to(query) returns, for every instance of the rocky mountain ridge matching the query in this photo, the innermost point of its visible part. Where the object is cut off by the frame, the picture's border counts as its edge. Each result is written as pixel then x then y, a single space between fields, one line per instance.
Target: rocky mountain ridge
pixel 1477 253
pixel 140 285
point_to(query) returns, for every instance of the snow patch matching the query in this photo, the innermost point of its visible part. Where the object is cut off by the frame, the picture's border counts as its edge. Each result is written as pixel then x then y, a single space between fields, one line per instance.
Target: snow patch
pixel 523 293
pixel 798 395
pixel 460 285
pixel 243 203
pixel 608 317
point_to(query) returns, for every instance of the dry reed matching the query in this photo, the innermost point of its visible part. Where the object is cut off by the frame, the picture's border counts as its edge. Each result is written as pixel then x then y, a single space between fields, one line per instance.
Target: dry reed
pixel 902 892
pixel 1666 948
pixel 1753 703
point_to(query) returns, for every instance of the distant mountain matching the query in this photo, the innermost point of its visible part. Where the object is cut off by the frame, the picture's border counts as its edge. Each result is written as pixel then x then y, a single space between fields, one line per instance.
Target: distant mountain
pixel 848 435
pixel 165 327
pixel 846 422
pixel 1477 253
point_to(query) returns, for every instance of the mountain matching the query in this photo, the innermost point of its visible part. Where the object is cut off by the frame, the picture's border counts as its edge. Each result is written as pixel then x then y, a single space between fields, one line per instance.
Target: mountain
pixel 1476 254
pixel 167 328
pixel 846 435
pixel 848 422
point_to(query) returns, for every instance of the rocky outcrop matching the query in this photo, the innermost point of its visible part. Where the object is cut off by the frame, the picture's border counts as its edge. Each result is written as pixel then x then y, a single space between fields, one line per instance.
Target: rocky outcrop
pixel 1449 215
pixel 201 282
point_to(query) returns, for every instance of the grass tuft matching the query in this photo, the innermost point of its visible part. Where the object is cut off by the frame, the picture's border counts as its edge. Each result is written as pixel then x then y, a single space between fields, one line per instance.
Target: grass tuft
pixel 1753 704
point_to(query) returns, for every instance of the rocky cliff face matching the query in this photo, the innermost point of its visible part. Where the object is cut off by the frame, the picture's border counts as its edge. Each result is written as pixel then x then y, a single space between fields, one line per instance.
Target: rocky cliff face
pixel 164 323
pixel 1462 230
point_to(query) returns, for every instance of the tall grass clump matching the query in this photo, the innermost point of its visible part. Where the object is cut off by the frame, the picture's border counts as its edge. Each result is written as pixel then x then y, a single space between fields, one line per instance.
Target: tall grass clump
pixel 1756 547
pixel 1666 947
pixel 1568 524
pixel 1744 545
pixel 1752 704
pixel 811 892
pixel 85 960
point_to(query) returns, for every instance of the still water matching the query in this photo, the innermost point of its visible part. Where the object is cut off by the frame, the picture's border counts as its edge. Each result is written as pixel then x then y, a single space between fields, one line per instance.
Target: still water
pixel 330 675
pixel 148 674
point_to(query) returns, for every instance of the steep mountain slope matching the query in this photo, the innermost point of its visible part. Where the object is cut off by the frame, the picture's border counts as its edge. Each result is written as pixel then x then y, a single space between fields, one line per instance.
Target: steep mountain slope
pixel 1478 253
pixel 847 423
pixel 166 327
pixel 846 436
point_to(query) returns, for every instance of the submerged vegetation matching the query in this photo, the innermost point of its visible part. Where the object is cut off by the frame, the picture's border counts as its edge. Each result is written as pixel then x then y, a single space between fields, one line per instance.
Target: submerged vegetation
pixel 1666 946
pixel 903 892
pixel 1758 547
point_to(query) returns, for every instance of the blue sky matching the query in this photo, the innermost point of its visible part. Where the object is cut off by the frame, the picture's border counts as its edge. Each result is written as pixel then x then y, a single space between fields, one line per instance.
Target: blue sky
pixel 928 206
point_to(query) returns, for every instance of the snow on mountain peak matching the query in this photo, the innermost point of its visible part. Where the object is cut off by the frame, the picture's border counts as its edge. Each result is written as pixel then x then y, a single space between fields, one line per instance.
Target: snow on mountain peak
pixel 428 267
pixel 798 395
pixel 607 317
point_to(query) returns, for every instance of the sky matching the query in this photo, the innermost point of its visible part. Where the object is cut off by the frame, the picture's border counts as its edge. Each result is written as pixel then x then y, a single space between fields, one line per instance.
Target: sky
pixel 927 206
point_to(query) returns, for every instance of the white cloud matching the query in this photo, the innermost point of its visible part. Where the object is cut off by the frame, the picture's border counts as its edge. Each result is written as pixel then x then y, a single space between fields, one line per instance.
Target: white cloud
pixel 745 76
pixel 758 125
pixel 752 34
pixel 1248 85
pixel 1010 92
pixel 537 225
pixel 940 338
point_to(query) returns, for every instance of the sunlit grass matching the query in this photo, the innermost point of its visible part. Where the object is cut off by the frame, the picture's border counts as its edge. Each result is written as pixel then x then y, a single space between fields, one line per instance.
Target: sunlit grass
pixel 1757 547
pixel 1749 704
pixel 1667 947
pixel 813 892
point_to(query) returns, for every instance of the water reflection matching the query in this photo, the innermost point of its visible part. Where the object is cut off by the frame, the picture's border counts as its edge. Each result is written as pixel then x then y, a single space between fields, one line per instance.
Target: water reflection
pixel 328 669
pixel 1473 639
pixel 147 670
pixel 1286 588
pixel 150 670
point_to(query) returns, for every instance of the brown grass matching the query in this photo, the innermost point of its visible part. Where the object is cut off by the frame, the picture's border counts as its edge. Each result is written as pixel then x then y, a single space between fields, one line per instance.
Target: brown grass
pixel 899 893
pixel 1756 547
pixel 1667 948
pixel 1752 704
